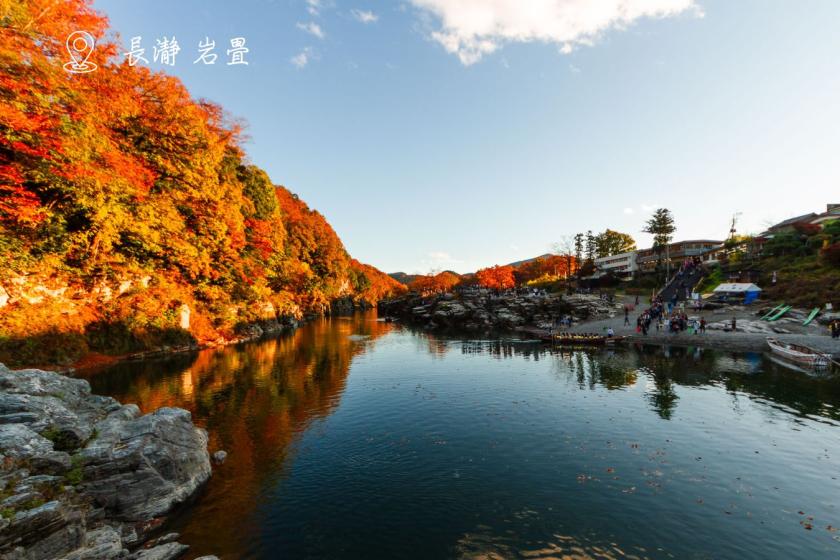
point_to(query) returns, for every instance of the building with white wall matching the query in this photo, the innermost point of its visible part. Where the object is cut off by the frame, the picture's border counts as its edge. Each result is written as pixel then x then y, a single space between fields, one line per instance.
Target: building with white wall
pixel 623 264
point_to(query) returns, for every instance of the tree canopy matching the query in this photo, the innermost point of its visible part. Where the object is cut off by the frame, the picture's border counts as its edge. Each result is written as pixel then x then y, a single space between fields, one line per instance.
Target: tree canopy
pixel 661 226
pixel 611 243
pixel 121 173
pixel 496 277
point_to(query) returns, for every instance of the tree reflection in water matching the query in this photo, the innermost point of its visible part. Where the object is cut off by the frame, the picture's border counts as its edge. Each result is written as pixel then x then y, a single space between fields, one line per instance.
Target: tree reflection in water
pixel 254 399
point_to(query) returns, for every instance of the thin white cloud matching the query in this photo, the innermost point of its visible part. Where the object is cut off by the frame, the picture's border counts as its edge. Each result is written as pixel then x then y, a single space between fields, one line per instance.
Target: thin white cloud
pixel 312 28
pixel 629 211
pixel 441 256
pixel 365 16
pixel 648 208
pixel 314 7
pixel 303 58
pixel 438 260
pixel 471 29
pixel 574 69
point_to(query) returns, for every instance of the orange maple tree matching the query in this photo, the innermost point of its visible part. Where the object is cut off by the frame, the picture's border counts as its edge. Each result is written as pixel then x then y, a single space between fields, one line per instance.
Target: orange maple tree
pixel 496 277
pixel 439 283
pixel 120 173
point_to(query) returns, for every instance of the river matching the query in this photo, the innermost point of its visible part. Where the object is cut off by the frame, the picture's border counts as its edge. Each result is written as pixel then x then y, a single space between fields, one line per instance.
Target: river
pixel 355 438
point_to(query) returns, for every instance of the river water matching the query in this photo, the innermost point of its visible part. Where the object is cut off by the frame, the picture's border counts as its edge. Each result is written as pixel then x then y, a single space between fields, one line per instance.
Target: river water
pixel 354 438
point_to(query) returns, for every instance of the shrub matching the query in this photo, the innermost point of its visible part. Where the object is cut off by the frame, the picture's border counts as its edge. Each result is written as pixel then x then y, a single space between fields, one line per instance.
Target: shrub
pixel 831 254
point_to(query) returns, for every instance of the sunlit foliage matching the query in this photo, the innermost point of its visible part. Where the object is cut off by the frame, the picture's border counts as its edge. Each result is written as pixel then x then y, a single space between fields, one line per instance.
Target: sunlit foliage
pixel 439 283
pixel 121 173
pixel 496 277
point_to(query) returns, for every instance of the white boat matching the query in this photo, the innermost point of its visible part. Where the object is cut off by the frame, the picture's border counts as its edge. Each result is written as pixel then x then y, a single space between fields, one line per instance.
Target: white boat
pixel 797 353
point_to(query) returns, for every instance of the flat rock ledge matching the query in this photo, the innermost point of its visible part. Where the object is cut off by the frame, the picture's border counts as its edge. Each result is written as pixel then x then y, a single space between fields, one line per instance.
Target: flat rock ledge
pixel 83 477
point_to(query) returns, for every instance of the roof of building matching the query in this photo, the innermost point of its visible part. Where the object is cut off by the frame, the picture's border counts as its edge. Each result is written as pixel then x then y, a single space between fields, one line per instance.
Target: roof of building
pixel 830 215
pixel 791 221
pixel 737 287
pixel 628 254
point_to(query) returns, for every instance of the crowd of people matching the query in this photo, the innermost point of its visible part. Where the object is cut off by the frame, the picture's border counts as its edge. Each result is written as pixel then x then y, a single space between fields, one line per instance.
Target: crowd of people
pixel 668 318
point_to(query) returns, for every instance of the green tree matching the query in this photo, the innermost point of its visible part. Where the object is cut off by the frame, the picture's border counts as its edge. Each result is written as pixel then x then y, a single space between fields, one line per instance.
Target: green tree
pixel 579 251
pixel 591 246
pixel 661 226
pixel 612 242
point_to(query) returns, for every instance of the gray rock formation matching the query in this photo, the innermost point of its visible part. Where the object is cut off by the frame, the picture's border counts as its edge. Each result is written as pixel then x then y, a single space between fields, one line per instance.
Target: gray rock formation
pixel 168 551
pixel 83 477
pixel 219 457
pixel 482 310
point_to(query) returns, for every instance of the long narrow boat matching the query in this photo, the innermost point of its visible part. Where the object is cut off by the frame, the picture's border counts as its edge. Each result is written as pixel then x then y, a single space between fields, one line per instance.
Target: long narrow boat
pixel 798 353
pixel 811 316
pixel 576 339
pixel 775 309
pixel 778 315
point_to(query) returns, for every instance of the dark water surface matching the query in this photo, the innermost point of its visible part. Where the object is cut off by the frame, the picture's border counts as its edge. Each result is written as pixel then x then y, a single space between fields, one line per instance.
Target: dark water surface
pixel 354 438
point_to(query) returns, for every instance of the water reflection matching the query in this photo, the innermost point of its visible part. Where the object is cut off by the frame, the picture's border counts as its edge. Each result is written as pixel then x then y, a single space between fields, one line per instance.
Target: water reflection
pixel 665 368
pixel 452 447
pixel 254 400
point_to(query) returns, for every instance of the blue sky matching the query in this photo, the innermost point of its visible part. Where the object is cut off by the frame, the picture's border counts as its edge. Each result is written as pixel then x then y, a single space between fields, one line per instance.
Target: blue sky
pixel 442 134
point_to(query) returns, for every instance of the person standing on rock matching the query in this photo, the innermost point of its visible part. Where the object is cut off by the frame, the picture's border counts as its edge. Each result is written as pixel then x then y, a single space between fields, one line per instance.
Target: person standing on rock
pixel 703 325
pixel 626 316
pixel 734 324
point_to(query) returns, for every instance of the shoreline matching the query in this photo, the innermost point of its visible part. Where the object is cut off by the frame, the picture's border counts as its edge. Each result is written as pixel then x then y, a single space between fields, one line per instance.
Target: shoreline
pixel 85 476
pixel 736 342
pixel 750 336
pixel 95 360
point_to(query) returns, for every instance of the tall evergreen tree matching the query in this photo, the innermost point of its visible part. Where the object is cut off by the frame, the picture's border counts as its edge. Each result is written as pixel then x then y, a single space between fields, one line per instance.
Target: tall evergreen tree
pixel 579 247
pixel 661 226
pixel 591 246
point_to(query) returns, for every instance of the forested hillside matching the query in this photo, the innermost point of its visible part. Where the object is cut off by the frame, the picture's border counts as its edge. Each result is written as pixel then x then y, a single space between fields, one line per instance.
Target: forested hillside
pixel 123 200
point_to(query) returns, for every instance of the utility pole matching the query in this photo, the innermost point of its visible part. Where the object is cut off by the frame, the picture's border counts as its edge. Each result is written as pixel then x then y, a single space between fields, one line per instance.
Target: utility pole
pixel 732 229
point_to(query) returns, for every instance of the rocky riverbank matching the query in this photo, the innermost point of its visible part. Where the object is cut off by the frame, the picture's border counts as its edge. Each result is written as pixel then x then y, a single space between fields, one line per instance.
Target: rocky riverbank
pixel 750 335
pixel 83 477
pixel 482 310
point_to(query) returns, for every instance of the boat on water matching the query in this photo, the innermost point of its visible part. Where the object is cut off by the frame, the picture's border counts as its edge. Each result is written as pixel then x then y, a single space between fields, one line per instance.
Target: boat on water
pixel 586 339
pixel 798 353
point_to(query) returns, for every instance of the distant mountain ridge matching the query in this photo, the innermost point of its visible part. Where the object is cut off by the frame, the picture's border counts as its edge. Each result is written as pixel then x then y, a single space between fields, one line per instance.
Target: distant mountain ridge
pixel 405 278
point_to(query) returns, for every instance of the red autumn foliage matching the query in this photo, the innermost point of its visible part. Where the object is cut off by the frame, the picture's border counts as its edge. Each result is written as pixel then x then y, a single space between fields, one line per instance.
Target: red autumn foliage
pixel 806 228
pixel 831 254
pixel 496 277
pixel 561 266
pixel 120 173
pixel 435 284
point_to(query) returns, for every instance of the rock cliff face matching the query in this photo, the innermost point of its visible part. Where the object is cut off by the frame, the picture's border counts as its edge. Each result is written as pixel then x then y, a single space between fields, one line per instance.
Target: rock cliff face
pixel 481 310
pixel 85 477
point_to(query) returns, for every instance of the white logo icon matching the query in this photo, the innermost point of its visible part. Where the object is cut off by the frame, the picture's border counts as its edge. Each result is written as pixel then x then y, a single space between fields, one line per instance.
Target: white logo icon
pixel 80 46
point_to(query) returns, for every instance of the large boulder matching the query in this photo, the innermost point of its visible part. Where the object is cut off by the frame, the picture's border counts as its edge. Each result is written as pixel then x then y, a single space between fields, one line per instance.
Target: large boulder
pixel 66 454
pixel 139 467
pixel 45 531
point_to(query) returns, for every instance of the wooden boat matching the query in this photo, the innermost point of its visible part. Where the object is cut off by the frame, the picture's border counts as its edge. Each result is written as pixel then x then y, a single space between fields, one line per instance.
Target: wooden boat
pixel 797 353
pixel 581 339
